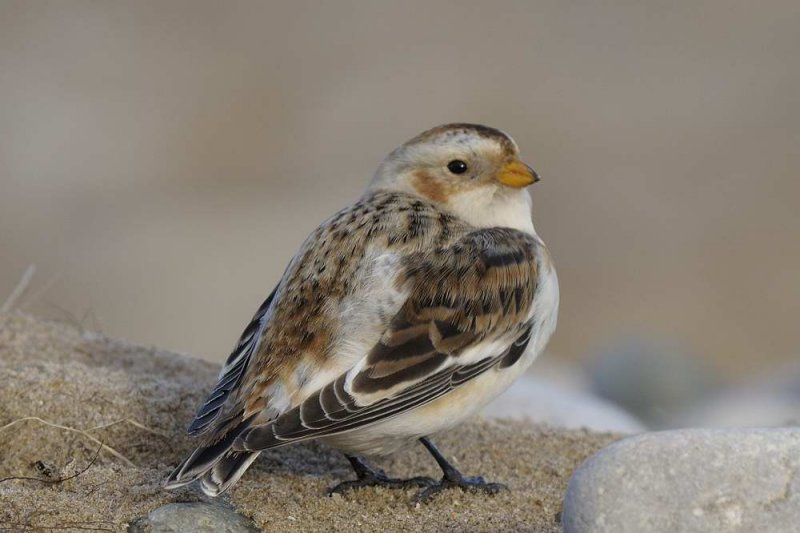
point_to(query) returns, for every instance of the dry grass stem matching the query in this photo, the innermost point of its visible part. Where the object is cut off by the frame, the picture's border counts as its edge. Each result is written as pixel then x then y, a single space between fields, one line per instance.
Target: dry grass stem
pixel 105 447
pixel 19 290
pixel 61 479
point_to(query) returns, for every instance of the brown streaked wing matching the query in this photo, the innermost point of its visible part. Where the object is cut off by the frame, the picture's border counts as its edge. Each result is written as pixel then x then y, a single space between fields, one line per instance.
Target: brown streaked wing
pixel 479 289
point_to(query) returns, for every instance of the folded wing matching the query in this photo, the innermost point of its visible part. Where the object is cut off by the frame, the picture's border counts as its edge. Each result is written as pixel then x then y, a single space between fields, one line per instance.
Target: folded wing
pixel 467 312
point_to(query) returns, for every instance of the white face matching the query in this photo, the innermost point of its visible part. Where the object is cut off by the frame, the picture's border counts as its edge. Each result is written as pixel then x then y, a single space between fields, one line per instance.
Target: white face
pixel 472 171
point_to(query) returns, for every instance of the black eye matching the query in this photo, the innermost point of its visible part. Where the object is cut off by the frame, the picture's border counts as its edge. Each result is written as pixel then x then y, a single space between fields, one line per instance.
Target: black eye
pixel 457 166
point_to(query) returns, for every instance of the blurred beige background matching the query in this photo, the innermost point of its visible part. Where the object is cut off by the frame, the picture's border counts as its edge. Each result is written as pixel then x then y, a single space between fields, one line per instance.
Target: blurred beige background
pixel 161 161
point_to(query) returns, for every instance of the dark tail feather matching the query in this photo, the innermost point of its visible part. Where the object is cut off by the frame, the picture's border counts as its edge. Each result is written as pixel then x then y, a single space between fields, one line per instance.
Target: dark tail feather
pixel 226 472
pixel 216 465
pixel 216 477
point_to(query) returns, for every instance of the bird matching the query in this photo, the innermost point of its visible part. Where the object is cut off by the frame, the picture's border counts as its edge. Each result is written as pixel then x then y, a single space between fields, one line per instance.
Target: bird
pixel 398 318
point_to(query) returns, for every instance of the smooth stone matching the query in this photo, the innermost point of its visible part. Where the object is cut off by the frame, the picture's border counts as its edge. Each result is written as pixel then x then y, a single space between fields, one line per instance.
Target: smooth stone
pixel 744 408
pixel 197 517
pixel 536 401
pixel 651 380
pixel 694 480
pixel 772 400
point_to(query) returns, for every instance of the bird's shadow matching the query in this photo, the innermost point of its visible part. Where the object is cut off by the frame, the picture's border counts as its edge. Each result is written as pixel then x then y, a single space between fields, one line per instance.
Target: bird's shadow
pixel 303 459
pixel 316 459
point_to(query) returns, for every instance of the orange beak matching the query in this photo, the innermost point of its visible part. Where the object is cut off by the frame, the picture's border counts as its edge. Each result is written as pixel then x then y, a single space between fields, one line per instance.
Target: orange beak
pixel 517 174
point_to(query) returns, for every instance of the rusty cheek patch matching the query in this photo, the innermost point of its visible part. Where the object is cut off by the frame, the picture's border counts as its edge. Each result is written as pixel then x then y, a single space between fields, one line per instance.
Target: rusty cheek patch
pixel 427 186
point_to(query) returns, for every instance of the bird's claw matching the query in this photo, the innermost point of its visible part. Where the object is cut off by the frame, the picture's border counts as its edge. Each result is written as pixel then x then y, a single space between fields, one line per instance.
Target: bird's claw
pixel 380 479
pixel 465 483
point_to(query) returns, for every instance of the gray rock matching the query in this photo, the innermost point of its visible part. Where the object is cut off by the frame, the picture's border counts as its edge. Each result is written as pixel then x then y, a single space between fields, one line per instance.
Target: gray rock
pixel 744 408
pixel 652 380
pixel 772 400
pixel 197 517
pixel 687 481
pixel 542 403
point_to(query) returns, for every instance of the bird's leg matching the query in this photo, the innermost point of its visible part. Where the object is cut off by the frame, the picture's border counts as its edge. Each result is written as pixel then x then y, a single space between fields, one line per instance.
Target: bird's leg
pixel 453 478
pixel 366 476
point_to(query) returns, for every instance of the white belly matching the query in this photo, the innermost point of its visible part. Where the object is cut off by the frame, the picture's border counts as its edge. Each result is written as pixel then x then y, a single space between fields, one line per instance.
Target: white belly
pixel 387 436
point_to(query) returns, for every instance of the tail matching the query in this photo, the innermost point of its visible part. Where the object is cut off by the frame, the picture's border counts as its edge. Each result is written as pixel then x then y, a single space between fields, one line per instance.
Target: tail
pixel 216 465
pixel 215 478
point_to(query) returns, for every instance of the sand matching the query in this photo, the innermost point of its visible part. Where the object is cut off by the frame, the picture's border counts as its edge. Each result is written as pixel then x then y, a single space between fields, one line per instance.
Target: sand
pixel 136 402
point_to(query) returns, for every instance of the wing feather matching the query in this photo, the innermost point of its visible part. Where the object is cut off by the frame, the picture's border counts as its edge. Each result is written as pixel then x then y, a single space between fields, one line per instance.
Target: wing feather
pixel 472 295
pixel 232 373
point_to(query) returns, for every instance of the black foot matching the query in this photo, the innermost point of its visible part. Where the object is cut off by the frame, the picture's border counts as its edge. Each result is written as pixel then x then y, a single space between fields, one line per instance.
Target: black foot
pixel 375 477
pixel 465 483
pixel 453 478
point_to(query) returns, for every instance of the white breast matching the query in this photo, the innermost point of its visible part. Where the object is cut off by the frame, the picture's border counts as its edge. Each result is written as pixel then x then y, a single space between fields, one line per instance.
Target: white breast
pixel 545 308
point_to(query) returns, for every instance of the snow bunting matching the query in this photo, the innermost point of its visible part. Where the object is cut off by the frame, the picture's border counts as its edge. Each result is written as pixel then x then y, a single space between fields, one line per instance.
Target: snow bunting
pixel 399 317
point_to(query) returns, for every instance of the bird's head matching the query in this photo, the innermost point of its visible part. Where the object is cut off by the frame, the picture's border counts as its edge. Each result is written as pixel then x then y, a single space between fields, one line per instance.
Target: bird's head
pixel 471 170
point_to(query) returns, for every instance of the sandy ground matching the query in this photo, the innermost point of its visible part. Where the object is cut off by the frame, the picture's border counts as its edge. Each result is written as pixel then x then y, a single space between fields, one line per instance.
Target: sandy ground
pixel 110 416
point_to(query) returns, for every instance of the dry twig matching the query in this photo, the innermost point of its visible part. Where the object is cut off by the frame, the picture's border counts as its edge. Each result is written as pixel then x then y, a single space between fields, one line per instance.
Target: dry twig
pixel 109 449
pixel 19 290
pixel 131 422
pixel 61 479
